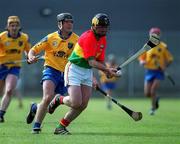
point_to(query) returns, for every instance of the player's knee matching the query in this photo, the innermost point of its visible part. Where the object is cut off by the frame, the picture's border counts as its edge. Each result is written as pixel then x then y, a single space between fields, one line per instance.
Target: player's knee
pixel 76 104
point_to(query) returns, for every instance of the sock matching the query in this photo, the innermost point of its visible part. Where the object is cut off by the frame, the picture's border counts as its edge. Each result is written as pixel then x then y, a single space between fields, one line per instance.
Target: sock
pixel 63 123
pixel 37 125
pixel 61 99
pixel 58 100
pixel 2 113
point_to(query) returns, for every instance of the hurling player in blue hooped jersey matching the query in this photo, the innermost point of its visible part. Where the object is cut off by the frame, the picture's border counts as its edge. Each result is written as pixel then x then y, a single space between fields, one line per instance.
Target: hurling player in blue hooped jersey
pixel 57 47
pixel 13 43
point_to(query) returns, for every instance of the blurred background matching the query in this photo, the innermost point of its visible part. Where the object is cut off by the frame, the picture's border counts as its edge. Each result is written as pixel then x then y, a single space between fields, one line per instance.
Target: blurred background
pixel 130 24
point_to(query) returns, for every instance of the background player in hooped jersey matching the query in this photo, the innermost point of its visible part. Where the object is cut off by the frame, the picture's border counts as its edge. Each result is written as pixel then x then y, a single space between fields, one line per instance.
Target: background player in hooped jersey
pixel 109 84
pixel 13 43
pixel 57 47
pixel 88 53
pixel 155 61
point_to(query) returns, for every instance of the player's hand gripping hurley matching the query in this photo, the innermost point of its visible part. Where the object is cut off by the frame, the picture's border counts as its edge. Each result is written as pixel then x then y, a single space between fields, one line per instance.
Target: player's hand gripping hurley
pixel 135 115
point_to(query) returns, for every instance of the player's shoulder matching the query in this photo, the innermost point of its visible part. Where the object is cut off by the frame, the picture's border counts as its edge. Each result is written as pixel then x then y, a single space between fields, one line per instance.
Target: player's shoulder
pixel 163 44
pixel 74 35
pixel 4 33
pixel 53 34
pixel 50 37
pixel 87 35
pixel 24 35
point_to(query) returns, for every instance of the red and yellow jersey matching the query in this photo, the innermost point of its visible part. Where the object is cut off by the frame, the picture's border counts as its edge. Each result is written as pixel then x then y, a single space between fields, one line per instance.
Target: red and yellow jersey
pixel 158 54
pixel 57 50
pixel 103 77
pixel 88 47
pixel 11 49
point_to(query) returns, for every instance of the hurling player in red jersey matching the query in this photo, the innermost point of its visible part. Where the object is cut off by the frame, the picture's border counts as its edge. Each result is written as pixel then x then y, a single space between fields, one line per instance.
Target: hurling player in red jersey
pixel 88 53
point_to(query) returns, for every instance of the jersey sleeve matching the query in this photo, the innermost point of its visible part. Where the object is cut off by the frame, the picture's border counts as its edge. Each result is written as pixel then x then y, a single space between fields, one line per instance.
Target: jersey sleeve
pixel 2 50
pixel 40 46
pixel 142 57
pixel 27 45
pixel 0 45
pixel 168 56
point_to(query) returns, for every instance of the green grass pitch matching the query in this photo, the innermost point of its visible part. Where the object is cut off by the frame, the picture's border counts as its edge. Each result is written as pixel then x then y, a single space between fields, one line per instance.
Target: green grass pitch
pixel 97 125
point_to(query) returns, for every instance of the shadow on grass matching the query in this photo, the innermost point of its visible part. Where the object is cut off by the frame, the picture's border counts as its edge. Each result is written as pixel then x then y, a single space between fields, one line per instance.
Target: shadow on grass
pixel 127 134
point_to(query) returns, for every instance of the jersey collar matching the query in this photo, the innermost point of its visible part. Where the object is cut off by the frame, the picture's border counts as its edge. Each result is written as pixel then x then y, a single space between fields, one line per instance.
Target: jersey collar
pixel 18 35
pixel 60 35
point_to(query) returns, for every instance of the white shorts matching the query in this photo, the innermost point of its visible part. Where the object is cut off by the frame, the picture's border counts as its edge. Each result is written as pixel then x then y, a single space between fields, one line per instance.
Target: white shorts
pixel 76 75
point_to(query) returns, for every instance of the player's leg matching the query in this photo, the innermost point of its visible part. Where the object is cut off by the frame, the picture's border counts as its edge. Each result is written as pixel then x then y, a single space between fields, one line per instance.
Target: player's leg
pixel 58 99
pixel 80 89
pixel 110 88
pixel 86 92
pixel 48 93
pixel 74 100
pixel 19 97
pixel 154 88
pixel 109 103
pixel 78 101
pixel 147 92
pixel 51 82
pixel 3 74
pixel 147 88
pixel 10 84
pixel 2 83
pixel 149 80
pixel 158 75
pixel 18 93
pixel 1 93
pixel 106 88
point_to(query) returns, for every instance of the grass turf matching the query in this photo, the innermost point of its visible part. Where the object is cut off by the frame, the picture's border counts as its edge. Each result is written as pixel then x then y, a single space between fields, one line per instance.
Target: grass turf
pixel 97 124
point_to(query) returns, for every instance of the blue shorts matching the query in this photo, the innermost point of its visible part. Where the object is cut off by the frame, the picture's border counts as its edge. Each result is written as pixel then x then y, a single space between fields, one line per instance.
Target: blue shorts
pixel 154 74
pixel 108 86
pixel 4 71
pixel 57 77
